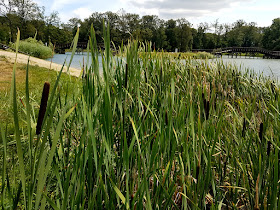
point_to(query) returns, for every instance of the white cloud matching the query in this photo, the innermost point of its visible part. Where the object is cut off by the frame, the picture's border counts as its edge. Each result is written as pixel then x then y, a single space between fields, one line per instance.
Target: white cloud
pixel 59 4
pixel 187 8
pixel 196 11
pixel 82 12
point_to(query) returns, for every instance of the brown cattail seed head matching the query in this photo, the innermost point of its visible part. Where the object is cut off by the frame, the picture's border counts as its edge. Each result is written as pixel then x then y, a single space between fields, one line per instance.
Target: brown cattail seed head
pixel 268 147
pixel 261 131
pixel 43 107
pixel 244 127
pixel 272 88
pixel 206 108
pixel 197 171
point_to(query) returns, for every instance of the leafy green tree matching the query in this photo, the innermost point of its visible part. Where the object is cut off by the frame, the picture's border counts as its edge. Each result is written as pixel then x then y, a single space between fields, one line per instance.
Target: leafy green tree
pixel 199 36
pixel 18 14
pixel 4 31
pixel 96 19
pixel 160 36
pixel 218 30
pixel 171 35
pixel 184 35
pixel 149 24
pixel 271 37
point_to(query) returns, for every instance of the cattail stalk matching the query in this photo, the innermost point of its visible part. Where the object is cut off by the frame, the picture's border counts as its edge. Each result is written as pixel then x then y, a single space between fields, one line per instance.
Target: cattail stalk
pixel 197 171
pixel 206 108
pixel 256 207
pixel 166 118
pixel 126 76
pixel 244 127
pixel 261 131
pixel 268 148
pixel 43 107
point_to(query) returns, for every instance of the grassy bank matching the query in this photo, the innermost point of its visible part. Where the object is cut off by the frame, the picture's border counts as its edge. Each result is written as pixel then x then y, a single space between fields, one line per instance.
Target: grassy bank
pixel 153 132
pixel 37 77
pixel 35 48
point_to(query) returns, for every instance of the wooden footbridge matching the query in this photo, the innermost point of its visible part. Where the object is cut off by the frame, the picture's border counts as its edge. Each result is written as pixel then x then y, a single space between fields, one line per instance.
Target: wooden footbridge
pixel 60 48
pixel 237 51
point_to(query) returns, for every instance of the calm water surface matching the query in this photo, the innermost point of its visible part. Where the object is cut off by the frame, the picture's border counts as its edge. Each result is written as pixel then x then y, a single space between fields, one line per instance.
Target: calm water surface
pixel 269 67
pixel 77 62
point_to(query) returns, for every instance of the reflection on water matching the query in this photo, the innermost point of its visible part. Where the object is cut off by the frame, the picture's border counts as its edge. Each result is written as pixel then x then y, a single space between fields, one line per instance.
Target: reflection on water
pixel 269 67
pixel 78 60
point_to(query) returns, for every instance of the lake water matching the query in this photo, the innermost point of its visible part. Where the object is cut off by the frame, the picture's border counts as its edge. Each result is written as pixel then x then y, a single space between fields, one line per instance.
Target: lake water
pixel 77 61
pixel 269 67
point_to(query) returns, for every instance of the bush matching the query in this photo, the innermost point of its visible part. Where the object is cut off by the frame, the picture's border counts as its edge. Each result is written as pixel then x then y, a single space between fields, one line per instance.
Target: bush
pixel 34 48
pixel 203 55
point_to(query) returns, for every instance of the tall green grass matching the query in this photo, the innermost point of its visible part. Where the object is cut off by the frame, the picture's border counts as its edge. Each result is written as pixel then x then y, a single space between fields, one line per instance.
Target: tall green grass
pixel 151 133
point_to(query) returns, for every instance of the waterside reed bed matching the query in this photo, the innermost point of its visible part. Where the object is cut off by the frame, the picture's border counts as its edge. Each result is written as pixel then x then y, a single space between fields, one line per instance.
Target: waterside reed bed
pixel 151 133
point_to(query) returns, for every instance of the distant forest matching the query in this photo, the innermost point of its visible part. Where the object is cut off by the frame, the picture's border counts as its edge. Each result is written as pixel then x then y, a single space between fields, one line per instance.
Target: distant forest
pixel 164 34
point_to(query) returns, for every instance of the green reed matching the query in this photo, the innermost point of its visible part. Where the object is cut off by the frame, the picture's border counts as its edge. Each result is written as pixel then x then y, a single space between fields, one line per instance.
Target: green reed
pixel 150 131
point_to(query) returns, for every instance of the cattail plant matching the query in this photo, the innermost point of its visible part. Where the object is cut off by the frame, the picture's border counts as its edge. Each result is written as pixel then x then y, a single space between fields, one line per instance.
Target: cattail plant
pixel 244 127
pixel 268 148
pixel 206 108
pixel 117 150
pixel 166 118
pixel 126 76
pixel 261 131
pixel 197 170
pixel 43 107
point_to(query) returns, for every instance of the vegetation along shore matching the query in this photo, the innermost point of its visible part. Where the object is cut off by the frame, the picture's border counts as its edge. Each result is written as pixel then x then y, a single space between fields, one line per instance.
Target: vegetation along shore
pixel 151 132
pixel 167 35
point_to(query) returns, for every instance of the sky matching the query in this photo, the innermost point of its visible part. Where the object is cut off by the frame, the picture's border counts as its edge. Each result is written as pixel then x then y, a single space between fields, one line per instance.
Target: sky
pixel 195 11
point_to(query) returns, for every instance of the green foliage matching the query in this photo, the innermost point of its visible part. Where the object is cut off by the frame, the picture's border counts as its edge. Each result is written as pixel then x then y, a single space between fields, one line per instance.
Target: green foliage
pixel 271 38
pixel 164 34
pixel 148 133
pixel 34 48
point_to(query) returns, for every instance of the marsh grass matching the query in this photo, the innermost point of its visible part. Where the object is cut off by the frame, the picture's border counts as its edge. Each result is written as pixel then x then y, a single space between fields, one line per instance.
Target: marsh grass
pixel 185 55
pixel 152 132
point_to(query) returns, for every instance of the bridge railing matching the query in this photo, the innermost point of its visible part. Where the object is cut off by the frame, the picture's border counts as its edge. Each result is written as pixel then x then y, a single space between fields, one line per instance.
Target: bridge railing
pixel 3 47
pixel 249 49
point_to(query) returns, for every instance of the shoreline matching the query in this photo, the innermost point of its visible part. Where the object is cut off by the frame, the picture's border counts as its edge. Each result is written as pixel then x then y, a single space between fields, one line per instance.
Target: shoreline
pixel 23 59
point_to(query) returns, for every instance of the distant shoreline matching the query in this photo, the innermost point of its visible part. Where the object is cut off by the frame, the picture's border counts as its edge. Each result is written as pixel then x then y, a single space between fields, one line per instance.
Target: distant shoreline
pixel 23 59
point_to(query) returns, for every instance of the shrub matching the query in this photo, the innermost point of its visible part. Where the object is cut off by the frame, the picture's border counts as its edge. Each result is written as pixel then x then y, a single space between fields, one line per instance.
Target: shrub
pixel 34 48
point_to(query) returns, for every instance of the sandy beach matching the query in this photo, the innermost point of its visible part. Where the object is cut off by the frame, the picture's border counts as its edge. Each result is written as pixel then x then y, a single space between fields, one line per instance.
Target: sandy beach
pixel 21 58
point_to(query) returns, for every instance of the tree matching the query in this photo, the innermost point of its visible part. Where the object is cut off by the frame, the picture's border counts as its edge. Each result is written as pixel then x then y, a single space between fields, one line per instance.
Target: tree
pixel 4 30
pixel 218 29
pixel 271 37
pixel 160 36
pixel 52 23
pixel 149 25
pixel 184 35
pixel 171 36
pixel 18 13
pixel 199 36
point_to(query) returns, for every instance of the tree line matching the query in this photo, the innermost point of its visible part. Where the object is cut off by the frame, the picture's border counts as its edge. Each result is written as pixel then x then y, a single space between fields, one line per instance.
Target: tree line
pixel 168 35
